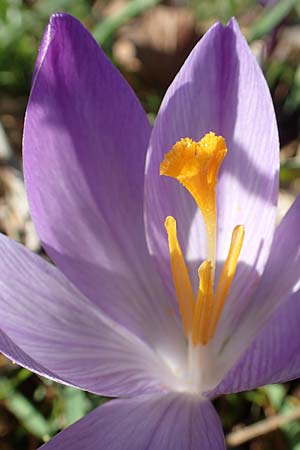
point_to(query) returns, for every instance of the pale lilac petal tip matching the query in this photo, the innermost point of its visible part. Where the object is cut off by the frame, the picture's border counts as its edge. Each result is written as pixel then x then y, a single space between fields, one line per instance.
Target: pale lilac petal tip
pixel 167 423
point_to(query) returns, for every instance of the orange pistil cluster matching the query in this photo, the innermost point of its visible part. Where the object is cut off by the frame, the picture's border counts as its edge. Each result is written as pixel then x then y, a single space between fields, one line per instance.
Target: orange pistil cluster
pixel 196 166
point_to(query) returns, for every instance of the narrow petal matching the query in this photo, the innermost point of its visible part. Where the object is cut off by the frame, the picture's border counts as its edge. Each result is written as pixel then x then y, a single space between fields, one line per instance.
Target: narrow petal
pixel 47 326
pixel 273 357
pixel 85 140
pixel 171 422
pixel 220 88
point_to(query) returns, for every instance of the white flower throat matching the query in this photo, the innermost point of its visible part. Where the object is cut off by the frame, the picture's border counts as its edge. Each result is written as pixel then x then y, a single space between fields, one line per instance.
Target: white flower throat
pixel 196 165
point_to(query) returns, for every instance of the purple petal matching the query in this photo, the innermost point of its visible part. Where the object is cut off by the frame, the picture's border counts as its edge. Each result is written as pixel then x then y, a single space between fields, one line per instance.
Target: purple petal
pixel 18 356
pixel 85 140
pixel 280 278
pixel 220 88
pixel 282 272
pixel 48 326
pixel 42 51
pixel 171 422
pixel 273 357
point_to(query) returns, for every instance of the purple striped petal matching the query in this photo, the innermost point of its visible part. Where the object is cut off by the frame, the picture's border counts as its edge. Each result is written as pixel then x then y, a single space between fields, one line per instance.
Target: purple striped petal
pixel 171 422
pixel 18 356
pixel 220 88
pixel 273 357
pixel 48 326
pixel 85 140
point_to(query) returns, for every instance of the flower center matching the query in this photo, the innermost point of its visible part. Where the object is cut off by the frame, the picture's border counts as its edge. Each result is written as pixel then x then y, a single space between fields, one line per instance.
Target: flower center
pixel 196 165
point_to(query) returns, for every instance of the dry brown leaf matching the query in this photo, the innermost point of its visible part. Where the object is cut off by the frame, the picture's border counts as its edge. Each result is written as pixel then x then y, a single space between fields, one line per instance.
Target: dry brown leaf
pixel 157 43
pixel 14 209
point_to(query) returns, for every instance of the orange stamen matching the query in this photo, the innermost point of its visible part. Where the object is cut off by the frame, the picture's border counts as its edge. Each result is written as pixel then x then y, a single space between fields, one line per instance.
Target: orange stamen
pixel 181 277
pixel 204 304
pixel 196 166
pixel 227 275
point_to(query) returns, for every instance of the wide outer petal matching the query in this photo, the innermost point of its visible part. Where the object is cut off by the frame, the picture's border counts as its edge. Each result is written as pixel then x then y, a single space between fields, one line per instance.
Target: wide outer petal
pixel 171 422
pixel 220 88
pixel 85 140
pixel 49 327
pixel 273 357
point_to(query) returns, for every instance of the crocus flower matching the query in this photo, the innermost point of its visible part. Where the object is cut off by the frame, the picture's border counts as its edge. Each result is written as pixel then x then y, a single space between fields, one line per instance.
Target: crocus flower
pixel 163 322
